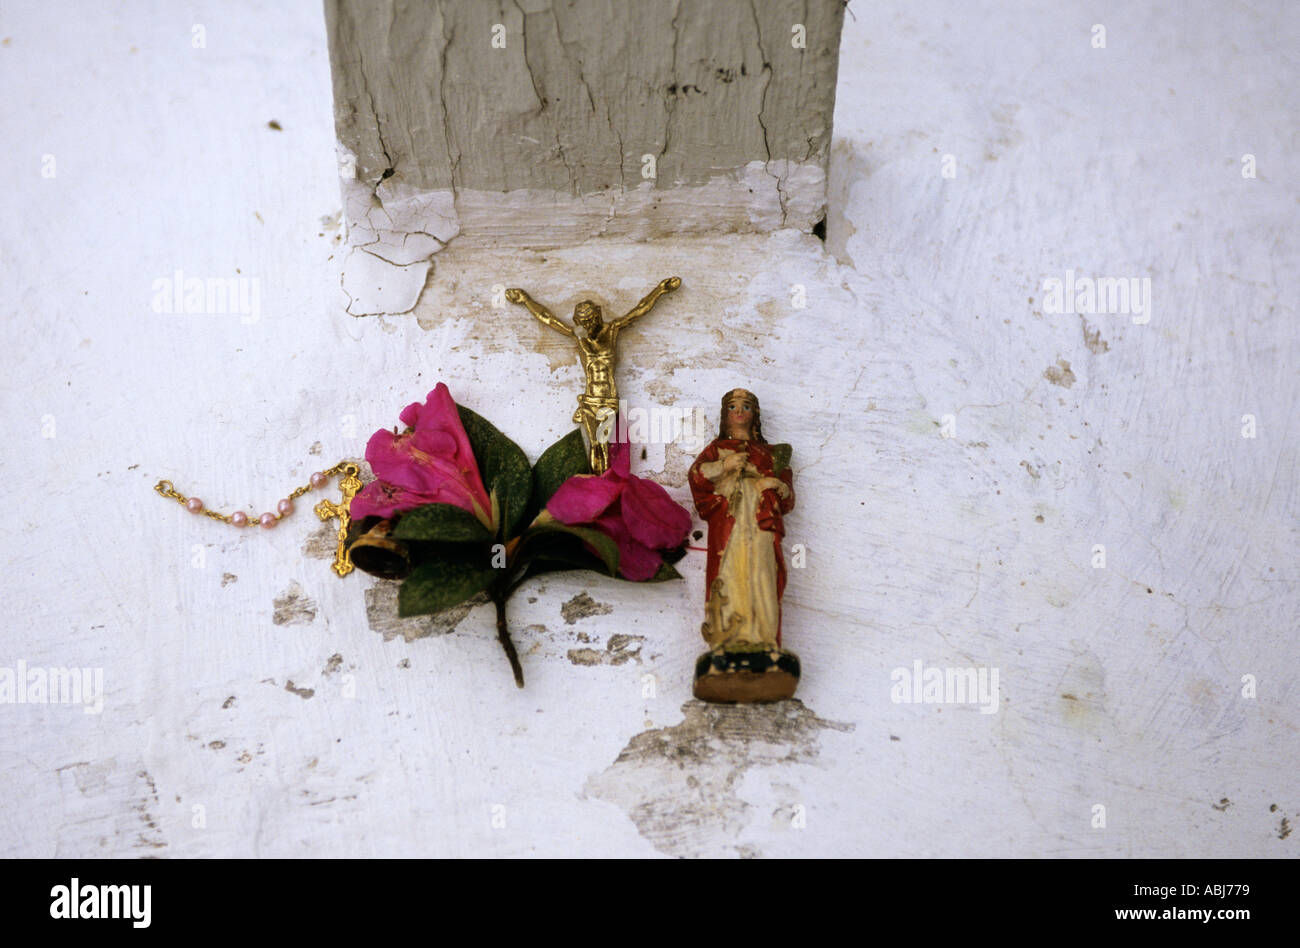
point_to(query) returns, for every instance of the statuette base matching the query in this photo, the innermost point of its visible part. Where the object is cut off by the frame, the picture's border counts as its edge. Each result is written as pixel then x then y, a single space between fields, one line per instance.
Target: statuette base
pixel 746 676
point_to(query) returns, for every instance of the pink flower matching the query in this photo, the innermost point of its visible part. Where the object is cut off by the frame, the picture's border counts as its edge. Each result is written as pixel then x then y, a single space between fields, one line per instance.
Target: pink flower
pixel 431 462
pixel 635 513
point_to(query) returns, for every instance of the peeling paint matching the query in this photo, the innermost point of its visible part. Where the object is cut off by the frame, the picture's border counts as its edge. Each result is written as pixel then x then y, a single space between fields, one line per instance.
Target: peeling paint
pixel 681 785
pixel 736 149
pixel 293 607
pixel 619 650
pixel 582 606
pixel 323 542
pixel 303 693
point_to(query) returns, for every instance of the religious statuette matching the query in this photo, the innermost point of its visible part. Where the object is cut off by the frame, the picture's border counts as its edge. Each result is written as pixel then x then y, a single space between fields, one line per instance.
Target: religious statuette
pixel 742 487
pixel 598 351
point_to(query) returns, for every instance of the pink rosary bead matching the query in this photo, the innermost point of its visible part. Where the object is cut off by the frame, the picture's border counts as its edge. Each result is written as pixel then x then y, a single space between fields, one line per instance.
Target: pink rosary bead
pixel 319 480
pixel 267 520
pixel 193 505
pixel 285 507
pixel 239 518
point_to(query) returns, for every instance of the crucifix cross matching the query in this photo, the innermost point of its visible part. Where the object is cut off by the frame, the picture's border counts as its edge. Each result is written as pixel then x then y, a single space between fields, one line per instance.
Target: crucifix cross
pixel 327 510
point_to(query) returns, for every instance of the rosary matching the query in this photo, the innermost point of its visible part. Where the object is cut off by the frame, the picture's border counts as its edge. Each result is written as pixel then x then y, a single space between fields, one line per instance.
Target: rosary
pixel 349 484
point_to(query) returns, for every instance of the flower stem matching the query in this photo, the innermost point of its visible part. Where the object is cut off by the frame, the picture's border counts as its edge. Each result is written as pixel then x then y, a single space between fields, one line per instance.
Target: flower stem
pixel 503 636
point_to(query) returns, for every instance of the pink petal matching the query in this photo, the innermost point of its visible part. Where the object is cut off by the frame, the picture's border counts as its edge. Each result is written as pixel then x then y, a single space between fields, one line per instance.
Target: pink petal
pixel 635 561
pixel 582 498
pixel 434 460
pixel 378 499
pixel 652 517
pixel 410 415
pixel 620 460
pixel 390 457
pixel 387 461
pixel 440 414
pixel 441 443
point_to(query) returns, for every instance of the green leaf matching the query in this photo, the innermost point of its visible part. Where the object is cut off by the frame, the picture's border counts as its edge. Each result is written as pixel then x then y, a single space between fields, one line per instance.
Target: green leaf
pixel 666 571
pixel 550 551
pixel 558 463
pixel 605 547
pixel 503 466
pixel 780 457
pixel 440 523
pixel 565 562
pixel 440 584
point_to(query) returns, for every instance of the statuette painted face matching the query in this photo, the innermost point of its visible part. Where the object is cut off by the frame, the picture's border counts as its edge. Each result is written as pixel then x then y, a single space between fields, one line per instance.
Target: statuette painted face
pixel 741 418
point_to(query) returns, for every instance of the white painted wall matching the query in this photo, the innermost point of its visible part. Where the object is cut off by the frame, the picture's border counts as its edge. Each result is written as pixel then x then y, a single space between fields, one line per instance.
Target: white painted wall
pixel 1118 686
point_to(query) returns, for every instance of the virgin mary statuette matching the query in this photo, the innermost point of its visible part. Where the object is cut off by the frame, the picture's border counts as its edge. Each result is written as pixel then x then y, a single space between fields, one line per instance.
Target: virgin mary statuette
pixel 742 487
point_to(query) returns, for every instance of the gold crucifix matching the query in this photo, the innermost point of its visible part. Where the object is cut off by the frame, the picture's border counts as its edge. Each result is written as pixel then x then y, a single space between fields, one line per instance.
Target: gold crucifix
pixel 326 510
pixel 598 352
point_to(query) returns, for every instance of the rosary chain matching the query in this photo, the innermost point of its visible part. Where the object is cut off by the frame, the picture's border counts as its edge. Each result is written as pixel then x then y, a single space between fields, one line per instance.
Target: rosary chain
pixel 167 489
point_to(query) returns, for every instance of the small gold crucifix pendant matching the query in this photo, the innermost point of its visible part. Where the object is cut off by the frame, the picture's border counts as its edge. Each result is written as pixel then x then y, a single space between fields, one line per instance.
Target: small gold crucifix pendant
pixel 326 510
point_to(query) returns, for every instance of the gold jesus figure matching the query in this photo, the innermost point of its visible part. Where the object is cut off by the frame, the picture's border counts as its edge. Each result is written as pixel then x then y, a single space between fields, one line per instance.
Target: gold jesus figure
pixel 598 351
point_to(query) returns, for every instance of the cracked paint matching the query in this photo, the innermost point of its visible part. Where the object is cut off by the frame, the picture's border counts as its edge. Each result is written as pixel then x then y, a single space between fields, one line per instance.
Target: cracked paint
pixel 746 151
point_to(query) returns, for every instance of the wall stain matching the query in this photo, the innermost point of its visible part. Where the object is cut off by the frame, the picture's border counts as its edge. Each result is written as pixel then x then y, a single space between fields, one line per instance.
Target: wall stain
pixel 323 542
pixel 292 607
pixel 618 650
pixel 1082 701
pixel 151 836
pixel 303 693
pixel 1092 338
pixel 583 606
pixel 680 785
pixel 1060 374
